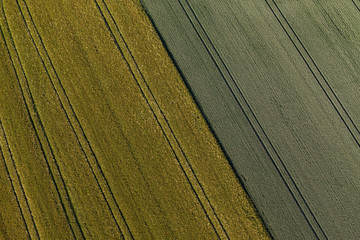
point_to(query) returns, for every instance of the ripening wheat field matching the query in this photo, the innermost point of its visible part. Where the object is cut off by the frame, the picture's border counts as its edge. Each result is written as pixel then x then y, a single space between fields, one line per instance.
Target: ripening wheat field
pixel 100 137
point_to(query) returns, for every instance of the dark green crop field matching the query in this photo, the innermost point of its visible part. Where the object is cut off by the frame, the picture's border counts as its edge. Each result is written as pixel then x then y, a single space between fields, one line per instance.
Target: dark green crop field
pixel 100 137
pixel 279 84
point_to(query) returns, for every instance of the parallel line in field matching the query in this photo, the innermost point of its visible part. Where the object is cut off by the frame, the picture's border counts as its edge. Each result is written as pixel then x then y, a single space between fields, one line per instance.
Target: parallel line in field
pixel 38 126
pixel 307 60
pixel 357 4
pixel 251 116
pixel 107 12
pixel 14 180
pixel 74 122
pixel 317 73
pixel 106 23
pixel 163 123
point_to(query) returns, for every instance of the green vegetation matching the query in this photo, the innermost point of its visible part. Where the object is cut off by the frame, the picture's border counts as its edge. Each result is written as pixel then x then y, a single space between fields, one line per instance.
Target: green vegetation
pixel 278 82
pixel 99 135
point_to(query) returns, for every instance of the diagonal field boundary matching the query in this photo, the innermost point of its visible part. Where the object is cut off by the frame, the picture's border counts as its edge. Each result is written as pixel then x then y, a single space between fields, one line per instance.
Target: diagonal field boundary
pixel 253 120
pixel 74 122
pixel 162 121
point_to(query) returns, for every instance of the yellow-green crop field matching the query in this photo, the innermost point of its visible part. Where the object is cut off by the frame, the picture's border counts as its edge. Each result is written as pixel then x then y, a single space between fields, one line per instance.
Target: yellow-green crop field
pixel 99 136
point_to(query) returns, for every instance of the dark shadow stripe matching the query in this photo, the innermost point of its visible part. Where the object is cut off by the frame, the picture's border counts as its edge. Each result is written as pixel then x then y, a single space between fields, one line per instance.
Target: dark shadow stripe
pixel 238 176
pixel 157 119
pixel 251 117
pixel 162 113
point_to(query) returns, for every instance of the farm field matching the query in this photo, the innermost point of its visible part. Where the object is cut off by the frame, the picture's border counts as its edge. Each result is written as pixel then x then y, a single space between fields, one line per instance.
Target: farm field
pixel 278 82
pixel 99 136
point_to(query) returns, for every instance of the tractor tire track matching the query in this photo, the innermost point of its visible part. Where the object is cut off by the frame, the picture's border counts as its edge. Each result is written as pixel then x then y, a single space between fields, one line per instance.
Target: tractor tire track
pixel 74 122
pixel 3 138
pixel 38 127
pixel 357 4
pixel 164 125
pixel 315 71
pixel 253 120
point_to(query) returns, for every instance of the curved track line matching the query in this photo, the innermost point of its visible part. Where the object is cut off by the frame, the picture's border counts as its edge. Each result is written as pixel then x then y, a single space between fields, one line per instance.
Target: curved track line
pixel 162 115
pixel 72 112
pixel 2 132
pixel 34 109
